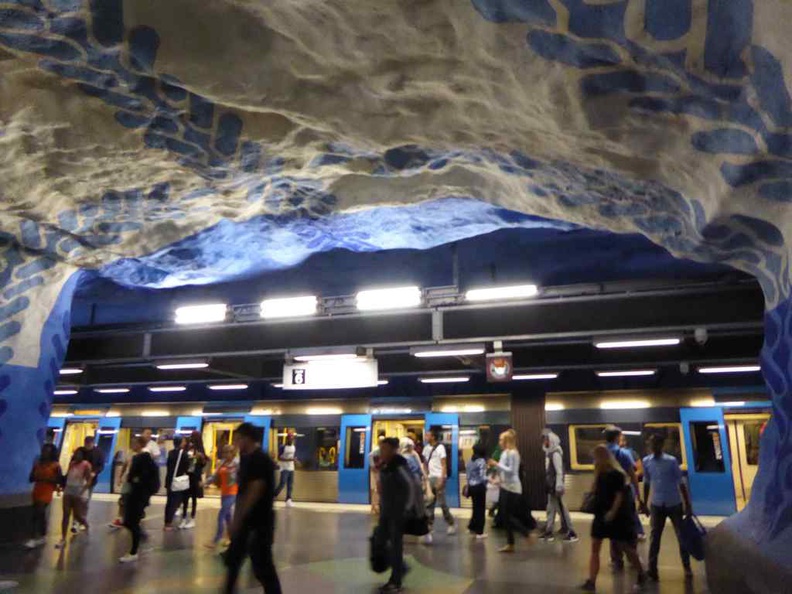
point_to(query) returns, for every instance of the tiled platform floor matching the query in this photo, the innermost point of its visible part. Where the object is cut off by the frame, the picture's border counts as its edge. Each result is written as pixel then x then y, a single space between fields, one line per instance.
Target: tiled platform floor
pixel 319 549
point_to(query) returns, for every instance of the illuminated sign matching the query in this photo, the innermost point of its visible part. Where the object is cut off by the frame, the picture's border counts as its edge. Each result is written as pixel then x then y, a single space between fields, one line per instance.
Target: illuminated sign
pixel 499 367
pixel 331 375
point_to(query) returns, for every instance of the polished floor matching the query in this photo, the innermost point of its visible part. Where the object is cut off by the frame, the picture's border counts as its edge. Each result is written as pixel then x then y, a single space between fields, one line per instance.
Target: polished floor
pixel 318 549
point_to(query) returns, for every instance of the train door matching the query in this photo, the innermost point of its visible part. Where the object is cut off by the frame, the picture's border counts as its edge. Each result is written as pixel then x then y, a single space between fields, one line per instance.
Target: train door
pixel 353 467
pixel 217 435
pixel 74 434
pixel 744 433
pixel 448 423
pixel 709 463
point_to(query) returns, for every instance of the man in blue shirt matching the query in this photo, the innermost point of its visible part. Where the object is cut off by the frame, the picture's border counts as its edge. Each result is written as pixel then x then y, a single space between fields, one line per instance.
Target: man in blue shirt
pixel 612 434
pixel 669 493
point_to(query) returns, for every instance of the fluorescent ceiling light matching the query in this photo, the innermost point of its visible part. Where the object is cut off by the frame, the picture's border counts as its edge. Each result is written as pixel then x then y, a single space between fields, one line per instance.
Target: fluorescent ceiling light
pixel 229 387
pixel 551 406
pixel 167 388
pixel 382 382
pixel 326 357
pixel 112 415
pixel 323 410
pixel 445 380
pixel 534 376
pixel 493 293
pixel 186 365
pixel 460 350
pixel 71 371
pixel 629 373
pixel 65 392
pixel 277 385
pixel 731 369
pixel 733 403
pixel 106 431
pixel 289 307
pixel 155 413
pixel 391 411
pixel 702 402
pixel 396 298
pixel 61 415
pixel 112 390
pixel 359 430
pixel 201 314
pixel 631 432
pixel 200 413
pixel 638 343
pixel 624 404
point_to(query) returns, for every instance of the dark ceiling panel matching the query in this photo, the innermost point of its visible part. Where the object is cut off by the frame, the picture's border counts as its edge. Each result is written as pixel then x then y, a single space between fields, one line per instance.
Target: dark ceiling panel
pixel 105 347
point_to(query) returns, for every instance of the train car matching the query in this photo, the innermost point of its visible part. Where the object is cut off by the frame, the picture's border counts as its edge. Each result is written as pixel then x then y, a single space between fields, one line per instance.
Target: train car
pixel 714 434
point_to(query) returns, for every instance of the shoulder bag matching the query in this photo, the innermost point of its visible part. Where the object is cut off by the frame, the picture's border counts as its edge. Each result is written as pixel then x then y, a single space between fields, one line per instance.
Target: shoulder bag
pixel 181 483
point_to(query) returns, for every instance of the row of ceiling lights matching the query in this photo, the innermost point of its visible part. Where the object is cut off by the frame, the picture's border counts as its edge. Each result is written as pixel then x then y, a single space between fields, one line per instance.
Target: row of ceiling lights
pixel 370 300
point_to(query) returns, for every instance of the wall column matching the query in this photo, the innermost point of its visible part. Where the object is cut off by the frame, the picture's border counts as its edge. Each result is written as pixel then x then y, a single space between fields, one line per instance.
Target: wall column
pixel 528 420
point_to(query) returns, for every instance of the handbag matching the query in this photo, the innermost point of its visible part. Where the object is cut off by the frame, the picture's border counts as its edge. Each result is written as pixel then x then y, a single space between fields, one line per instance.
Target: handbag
pixel 179 484
pixel 589 505
pixel 466 492
pixel 692 537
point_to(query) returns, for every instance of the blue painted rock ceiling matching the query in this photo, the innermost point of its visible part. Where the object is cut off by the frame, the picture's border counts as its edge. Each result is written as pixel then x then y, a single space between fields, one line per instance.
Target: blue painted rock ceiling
pixel 171 143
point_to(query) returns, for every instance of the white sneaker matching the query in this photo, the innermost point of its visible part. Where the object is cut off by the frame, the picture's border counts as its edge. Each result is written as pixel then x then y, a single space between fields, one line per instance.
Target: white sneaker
pixel 189 524
pixel 452 530
pixel 289 503
pixel 427 539
pixel 482 536
pixel 128 558
pixel 183 524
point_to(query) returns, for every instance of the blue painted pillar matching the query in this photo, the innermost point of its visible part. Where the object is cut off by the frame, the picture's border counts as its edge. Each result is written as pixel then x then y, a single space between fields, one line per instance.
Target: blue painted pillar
pixel 26 392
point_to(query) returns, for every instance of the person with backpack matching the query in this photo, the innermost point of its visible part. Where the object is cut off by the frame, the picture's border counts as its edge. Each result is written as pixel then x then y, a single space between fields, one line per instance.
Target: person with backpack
pixel 46 477
pixel 554 484
pixel 397 498
pixel 143 481
pixel 437 469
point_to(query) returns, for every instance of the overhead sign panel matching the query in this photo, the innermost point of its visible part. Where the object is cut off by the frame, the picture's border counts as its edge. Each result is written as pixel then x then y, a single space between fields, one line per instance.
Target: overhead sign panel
pixel 331 375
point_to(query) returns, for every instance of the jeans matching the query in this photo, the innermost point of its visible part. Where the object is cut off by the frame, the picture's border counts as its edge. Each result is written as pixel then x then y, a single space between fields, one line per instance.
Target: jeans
pixel 225 515
pixel 286 480
pixel 40 519
pixel 555 504
pixel 478 495
pixel 511 521
pixel 659 514
pixel 257 544
pixel 439 498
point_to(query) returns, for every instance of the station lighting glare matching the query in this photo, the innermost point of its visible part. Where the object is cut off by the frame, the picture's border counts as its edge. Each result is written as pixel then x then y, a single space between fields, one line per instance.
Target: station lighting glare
pixel 289 307
pixel 61 415
pixel 629 373
pixel 551 406
pixel 323 410
pixel 186 365
pixel 229 387
pixel 624 404
pixel 534 376
pixel 628 344
pixel 444 380
pixel 71 371
pixel 112 390
pixel 155 413
pixel 730 369
pixel 113 415
pixel 167 388
pixel 733 403
pixel 702 402
pixel 461 350
pixel 201 314
pixel 396 298
pixel 496 293
pixel 65 392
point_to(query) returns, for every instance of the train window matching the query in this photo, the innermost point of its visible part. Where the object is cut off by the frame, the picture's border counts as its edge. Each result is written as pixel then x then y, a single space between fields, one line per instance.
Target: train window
pixel 355 454
pixel 315 449
pixel 674 442
pixel 583 439
pixel 707 446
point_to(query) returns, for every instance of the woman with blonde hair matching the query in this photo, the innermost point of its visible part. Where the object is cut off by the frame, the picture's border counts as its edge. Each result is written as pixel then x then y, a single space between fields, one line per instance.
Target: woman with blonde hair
pixel 511 488
pixel 612 517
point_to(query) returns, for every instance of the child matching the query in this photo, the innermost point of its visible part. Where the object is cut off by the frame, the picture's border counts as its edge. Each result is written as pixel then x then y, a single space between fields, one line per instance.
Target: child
pixel 46 477
pixel 75 495
pixel 226 479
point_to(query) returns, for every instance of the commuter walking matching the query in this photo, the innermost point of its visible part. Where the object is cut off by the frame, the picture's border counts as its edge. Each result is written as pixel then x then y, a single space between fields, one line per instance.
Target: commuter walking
pixel 123 487
pixel 46 477
pixel 669 499
pixel 96 458
pixel 253 527
pixel 612 517
pixel 511 488
pixel 143 481
pixel 374 468
pixel 286 459
pixel 176 480
pixel 437 470
pixel 554 484
pixel 414 462
pixel 477 490
pixel 75 494
pixel 398 494
pixel 197 463
pixel 625 460
pixel 226 479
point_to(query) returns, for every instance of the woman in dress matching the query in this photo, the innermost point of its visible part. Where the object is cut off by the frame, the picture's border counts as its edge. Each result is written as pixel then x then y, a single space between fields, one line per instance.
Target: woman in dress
pixel 612 517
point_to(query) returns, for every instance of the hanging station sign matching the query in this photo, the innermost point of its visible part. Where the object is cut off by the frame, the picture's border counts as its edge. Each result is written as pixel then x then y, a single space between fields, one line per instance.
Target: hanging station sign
pixel 331 375
pixel 499 367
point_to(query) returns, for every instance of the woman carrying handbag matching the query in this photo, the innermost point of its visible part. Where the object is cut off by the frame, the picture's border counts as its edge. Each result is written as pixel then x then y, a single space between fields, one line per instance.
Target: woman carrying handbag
pixel 177 482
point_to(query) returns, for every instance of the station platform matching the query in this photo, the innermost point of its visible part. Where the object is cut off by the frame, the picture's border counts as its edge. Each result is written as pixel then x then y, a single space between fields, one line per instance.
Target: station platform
pixel 319 548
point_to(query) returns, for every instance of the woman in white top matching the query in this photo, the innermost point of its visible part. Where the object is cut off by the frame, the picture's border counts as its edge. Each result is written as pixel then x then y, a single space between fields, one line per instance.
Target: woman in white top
pixel 509 470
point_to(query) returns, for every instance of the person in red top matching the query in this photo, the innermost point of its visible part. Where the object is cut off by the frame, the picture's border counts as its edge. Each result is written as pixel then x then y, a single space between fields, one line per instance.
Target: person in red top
pixel 46 477
pixel 226 479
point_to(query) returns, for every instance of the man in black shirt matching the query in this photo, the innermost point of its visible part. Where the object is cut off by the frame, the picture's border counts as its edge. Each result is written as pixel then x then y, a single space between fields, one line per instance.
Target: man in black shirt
pixel 253 528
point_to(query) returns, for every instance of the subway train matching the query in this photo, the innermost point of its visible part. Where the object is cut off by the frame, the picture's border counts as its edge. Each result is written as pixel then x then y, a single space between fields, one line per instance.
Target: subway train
pixel 713 432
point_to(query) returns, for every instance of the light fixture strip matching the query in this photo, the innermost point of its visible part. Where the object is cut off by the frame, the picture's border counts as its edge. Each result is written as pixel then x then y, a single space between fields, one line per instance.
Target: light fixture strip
pixel 70 371
pixel 637 343
pixel 201 314
pixel 392 298
pixel 167 388
pixel 502 293
pixel 534 376
pixel 444 380
pixel 65 392
pixel 228 387
pixel 730 369
pixel 628 373
pixel 289 307
pixel 460 351
pixel 112 390
pixel 185 365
